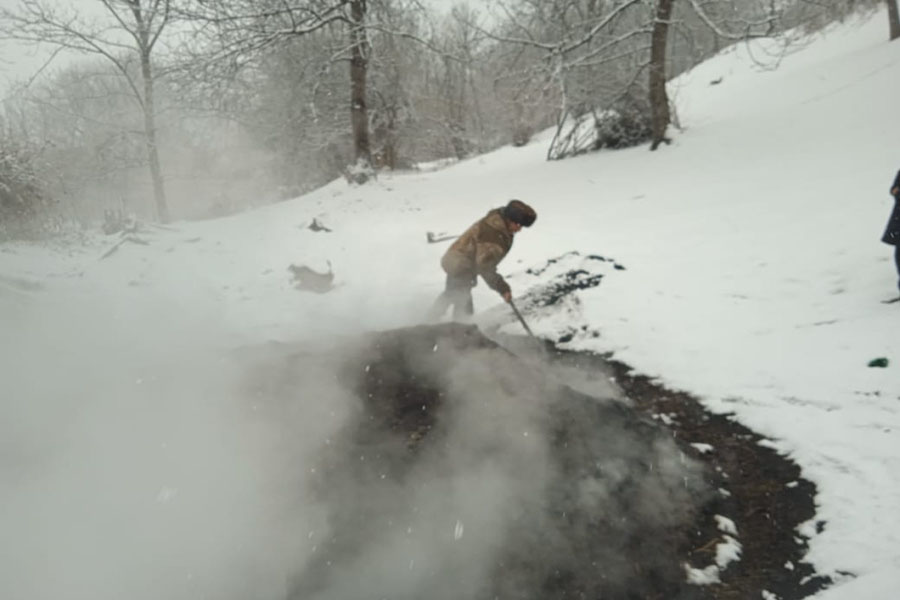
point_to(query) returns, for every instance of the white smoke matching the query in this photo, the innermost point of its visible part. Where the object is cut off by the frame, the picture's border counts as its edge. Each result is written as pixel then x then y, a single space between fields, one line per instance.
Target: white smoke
pixel 142 460
pixel 131 465
pixel 478 496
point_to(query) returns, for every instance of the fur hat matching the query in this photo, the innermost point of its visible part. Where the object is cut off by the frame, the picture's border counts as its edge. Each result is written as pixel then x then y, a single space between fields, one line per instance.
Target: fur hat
pixel 519 212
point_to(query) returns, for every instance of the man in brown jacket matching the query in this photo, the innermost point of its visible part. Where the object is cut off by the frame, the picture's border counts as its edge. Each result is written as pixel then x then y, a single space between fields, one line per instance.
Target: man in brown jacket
pixel 478 251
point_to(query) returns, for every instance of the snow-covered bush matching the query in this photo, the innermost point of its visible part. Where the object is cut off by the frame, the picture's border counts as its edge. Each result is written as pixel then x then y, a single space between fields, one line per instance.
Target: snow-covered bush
pixel 359 172
pixel 620 127
pixel 22 196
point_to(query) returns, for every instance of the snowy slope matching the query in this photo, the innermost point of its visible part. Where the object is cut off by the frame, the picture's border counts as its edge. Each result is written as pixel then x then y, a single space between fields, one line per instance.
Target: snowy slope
pixel 753 275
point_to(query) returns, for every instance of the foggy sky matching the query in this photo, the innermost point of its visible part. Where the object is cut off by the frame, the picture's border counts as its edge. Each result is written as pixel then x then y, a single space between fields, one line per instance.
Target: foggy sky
pixel 19 61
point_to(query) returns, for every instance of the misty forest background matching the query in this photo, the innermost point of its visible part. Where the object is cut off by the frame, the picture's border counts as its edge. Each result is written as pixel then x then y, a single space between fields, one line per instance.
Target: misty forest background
pixel 187 109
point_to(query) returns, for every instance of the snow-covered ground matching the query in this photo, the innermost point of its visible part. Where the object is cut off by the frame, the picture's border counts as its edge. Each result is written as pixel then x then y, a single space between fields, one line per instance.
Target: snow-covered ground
pixel 753 275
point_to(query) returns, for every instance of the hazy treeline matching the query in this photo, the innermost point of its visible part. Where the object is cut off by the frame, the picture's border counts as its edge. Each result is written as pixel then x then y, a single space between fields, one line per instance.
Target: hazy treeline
pixel 190 108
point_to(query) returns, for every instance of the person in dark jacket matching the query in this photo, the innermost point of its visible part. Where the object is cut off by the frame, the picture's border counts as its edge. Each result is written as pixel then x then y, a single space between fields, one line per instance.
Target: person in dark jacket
pixel 892 233
pixel 476 252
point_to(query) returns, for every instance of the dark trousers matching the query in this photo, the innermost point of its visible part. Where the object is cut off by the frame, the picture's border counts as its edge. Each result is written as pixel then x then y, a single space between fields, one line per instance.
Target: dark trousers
pixel 457 293
pixel 897 261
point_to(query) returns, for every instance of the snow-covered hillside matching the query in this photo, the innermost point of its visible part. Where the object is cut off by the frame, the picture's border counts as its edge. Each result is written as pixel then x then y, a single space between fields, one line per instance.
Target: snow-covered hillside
pixel 753 279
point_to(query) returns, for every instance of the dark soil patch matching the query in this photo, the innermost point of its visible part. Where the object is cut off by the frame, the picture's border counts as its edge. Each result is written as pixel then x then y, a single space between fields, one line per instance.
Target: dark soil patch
pixel 594 500
pixel 376 471
pixel 570 281
pixel 762 492
pixel 767 496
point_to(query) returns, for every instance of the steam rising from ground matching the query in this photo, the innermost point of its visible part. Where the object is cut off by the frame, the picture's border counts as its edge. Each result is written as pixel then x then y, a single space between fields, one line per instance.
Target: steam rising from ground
pixel 129 467
pixel 462 472
pixel 140 460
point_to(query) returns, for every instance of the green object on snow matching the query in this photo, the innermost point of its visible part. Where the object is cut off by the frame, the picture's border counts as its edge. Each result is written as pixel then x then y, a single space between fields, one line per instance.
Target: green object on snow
pixel 879 362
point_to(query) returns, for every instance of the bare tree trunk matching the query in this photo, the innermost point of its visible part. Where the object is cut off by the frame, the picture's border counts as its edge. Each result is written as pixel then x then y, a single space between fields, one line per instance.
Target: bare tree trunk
pixel 143 36
pixel 359 115
pixel 659 100
pixel 39 21
pixel 159 191
pixel 893 19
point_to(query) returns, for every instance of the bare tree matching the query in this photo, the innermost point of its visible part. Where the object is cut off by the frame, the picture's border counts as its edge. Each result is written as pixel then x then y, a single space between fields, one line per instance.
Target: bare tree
pixel 659 99
pixel 96 152
pixel 460 81
pixel 237 33
pixel 610 61
pixel 133 32
pixel 359 63
pixel 593 57
pixel 893 19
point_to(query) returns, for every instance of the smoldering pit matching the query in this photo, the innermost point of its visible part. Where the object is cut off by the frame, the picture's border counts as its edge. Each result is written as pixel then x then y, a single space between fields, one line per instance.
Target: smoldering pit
pixel 460 470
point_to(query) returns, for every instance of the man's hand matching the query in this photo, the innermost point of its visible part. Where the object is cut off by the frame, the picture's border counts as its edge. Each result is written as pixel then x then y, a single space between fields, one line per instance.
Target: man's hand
pixel 507 296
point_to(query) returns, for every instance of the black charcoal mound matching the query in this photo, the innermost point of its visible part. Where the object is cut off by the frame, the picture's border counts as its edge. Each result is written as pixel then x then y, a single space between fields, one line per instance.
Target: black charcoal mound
pixel 465 472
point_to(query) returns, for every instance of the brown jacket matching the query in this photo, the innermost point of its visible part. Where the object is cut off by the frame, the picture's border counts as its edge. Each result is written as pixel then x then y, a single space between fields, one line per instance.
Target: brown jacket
pixel 479 250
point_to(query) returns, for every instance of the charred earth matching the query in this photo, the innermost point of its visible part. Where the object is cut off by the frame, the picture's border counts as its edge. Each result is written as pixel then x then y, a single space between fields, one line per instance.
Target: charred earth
pixel 465 471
